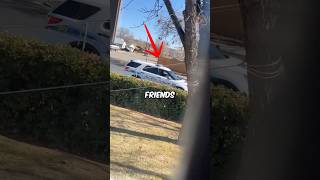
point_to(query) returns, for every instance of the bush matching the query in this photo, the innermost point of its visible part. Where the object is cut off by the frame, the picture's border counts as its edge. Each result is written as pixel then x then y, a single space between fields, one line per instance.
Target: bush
pixel 171 109
pixel 230 113
pixel 71 119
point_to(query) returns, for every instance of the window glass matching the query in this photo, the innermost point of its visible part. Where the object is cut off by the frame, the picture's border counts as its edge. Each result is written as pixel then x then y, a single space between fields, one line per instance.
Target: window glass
pixel 133 64
pixel 76 10
pixel 150 69
pixel 163 73
pixel 173 75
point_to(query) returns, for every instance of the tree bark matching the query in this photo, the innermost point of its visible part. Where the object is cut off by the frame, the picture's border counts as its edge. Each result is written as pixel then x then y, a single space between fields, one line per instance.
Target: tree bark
pixel 283 60
pixel 191 43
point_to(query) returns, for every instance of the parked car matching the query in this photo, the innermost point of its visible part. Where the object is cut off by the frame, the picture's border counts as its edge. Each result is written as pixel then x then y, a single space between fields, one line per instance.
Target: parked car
pixel 120 43
pixel 114 47
pixel 156 73
pixel 86 22
pixel 228 71
pixel 131 48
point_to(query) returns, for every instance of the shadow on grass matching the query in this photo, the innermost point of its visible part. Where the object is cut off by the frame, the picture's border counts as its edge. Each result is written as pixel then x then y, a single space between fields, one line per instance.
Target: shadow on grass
pixel 148 136
pixel 122 115
pixel 140 171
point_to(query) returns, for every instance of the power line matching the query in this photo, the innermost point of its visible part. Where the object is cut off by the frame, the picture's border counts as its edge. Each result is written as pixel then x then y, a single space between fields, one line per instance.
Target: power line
pixel 129 89
pixel 53 88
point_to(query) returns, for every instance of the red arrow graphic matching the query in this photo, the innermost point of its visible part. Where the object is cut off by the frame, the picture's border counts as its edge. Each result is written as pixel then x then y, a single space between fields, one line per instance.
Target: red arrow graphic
pixel 156 52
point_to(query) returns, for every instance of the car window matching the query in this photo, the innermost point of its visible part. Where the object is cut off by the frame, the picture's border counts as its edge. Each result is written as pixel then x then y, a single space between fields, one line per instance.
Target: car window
pixel 76 10
pixel 150 69
pixel 173 75
pixel 163 73
pixel 133 64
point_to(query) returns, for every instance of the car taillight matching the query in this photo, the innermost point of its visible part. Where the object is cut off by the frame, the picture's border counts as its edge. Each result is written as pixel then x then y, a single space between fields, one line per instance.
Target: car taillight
pixel 54 20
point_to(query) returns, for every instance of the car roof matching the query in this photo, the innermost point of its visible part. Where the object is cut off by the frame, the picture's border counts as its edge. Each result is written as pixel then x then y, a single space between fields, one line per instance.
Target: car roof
pixel 151 64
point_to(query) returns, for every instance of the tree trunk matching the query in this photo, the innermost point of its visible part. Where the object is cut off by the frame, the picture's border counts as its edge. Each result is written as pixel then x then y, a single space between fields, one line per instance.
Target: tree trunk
pixel 187 37
pixel 283 60
pixel 191 43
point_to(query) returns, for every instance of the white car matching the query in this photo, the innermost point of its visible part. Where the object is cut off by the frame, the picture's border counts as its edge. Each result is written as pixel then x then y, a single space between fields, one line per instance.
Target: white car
pixel 228 71
pixel 86 22
pixel 114 47
pixel 156 73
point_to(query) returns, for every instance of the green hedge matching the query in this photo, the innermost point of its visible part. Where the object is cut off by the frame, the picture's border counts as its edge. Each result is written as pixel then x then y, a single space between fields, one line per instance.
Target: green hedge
pixel 229 113
pixel 171 109
pixel 72 119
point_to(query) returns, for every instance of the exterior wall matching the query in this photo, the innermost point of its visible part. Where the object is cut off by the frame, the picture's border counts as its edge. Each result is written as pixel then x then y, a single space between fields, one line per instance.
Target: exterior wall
pixel 175 65
pixel 226 19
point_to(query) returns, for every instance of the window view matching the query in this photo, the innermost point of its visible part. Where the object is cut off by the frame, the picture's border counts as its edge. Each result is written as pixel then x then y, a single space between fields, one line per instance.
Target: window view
pixel 148 93
pixel 54 83
pixel 158 89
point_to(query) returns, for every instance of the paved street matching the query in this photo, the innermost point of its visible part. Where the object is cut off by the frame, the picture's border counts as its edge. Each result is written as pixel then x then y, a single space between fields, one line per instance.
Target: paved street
pixel 120 58
pixel 24 19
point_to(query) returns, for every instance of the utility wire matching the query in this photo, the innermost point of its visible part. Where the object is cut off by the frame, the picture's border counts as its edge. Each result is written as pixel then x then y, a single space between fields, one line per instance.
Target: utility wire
pixel 53 88
pixel 129 89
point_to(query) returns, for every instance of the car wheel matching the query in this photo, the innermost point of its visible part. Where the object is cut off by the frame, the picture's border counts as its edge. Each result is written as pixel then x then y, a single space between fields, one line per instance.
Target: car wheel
pixel 136 76
pixel 226 84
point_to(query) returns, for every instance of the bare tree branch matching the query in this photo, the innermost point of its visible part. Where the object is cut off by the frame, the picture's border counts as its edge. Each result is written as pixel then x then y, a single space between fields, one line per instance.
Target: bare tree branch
pixel 175 21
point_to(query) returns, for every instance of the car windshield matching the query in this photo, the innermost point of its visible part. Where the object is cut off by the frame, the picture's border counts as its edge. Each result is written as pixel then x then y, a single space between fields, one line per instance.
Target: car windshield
pixel 173 75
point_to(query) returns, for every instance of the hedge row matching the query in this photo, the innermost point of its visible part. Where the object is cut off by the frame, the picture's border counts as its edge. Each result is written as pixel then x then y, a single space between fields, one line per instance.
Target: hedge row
pixel 229 113
pixel 76 119
pixel 72 119
pixel 123 95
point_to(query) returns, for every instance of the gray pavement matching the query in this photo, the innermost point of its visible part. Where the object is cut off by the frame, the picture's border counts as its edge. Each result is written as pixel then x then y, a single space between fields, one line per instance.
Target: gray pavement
pixel 120 58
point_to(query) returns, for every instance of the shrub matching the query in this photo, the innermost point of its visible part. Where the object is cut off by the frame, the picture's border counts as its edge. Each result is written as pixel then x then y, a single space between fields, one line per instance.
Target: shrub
pixel 71 119
pixel 228 119
pixel 228 127
pixel 172 109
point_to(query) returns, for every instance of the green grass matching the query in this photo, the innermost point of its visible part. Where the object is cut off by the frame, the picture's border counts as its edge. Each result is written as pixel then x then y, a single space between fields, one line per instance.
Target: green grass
pixel 142 146
pixel 21 161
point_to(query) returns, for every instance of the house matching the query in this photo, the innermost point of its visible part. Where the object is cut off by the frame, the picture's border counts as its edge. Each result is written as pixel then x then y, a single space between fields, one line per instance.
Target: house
pixel 120 43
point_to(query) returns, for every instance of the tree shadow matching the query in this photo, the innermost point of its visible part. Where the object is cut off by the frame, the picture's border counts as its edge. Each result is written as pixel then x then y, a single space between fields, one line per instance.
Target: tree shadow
pixel 158 123
pixel 148 136
pixel 140 171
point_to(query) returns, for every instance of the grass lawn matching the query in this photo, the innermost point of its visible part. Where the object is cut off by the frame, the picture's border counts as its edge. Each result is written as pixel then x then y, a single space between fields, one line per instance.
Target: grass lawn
pixel 142 146
pixel 21 161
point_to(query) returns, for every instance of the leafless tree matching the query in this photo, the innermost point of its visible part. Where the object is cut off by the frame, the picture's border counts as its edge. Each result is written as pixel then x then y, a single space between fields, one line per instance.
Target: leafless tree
pixel 186 30
pixel 125 34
